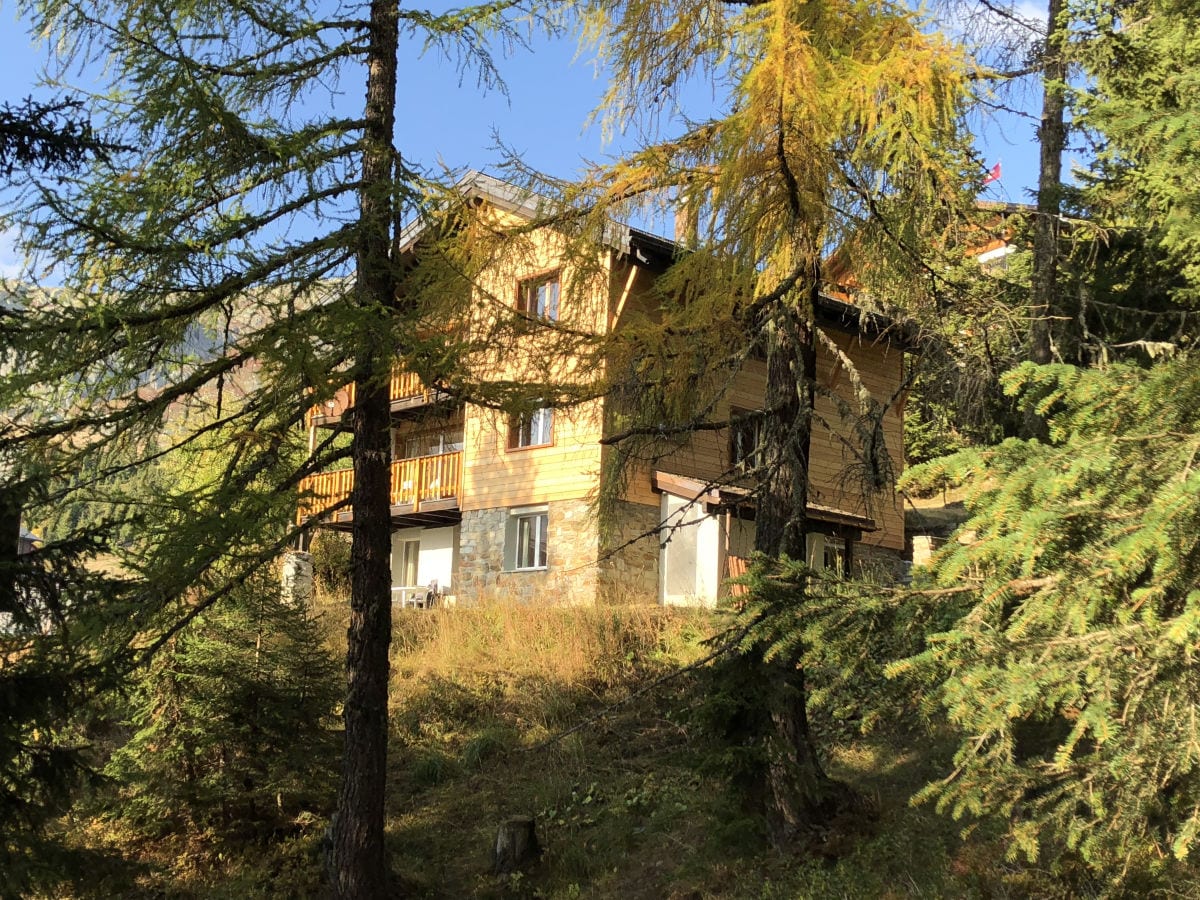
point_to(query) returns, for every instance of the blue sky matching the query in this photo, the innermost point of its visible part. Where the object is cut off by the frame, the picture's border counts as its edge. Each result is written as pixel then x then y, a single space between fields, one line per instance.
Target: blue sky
pixel 445 119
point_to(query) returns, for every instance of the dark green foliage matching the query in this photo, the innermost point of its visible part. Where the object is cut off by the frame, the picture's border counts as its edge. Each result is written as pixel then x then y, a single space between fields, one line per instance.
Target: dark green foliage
pixel 843 632
pixel 1143 113
pixel 1069 667
pixel 48 675
pixel 232 722
pixel 46 136
pixel 331 561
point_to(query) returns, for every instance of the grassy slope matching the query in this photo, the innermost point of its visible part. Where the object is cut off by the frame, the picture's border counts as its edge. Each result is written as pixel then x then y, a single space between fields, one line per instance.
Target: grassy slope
pixel 622 805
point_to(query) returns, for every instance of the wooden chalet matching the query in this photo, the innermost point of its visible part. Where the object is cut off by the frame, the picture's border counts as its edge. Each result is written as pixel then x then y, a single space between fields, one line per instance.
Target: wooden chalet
pixel 490 507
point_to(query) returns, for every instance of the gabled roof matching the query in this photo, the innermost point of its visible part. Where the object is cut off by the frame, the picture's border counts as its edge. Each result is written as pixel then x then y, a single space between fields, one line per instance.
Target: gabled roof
pixel 500 194
pixel 531 205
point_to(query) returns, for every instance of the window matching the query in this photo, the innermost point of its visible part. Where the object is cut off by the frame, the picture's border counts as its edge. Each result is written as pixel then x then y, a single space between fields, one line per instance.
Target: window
pixel 827 553
pixel 432 442
pixel 834 555
pixel 746 440
pixel 525 539
pixel 538 297
pixel 534 429
pixel 410 554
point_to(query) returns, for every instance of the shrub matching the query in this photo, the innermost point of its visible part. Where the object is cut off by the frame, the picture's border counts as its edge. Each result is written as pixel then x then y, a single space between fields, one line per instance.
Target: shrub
pixel 231 723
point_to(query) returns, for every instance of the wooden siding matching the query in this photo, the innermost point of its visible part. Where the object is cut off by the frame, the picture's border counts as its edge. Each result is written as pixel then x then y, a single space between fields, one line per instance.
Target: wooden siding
pixel 569 468
pixel 835 473
pixel 496 476
pixel 598 295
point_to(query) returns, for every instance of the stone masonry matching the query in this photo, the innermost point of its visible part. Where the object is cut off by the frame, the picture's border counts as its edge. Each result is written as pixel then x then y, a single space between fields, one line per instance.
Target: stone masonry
pixel 629 568
pixel 569 579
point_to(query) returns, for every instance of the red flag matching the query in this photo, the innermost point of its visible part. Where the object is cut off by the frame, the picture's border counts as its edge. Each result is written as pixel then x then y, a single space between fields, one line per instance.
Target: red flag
pixel 992 175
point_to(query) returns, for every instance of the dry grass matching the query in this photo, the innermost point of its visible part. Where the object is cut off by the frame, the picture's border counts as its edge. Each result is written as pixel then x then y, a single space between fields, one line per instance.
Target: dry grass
pixel 630 806
pixel 572 645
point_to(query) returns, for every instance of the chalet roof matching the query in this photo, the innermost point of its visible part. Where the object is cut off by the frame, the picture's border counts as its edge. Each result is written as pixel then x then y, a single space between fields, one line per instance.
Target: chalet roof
pixel 936 521
pixel 529 204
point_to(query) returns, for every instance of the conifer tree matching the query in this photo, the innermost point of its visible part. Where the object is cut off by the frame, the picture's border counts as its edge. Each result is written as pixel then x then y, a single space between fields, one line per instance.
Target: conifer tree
pixel 836 122
pixel 231 723
pixel 1067 624
pixel 1067 664
pixel 241 248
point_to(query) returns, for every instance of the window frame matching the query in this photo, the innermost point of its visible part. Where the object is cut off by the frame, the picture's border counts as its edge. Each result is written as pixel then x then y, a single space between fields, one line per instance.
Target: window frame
pixel 540 546
pixel 527 296
pixel 739 459
pixel 519 423
pixel 447 437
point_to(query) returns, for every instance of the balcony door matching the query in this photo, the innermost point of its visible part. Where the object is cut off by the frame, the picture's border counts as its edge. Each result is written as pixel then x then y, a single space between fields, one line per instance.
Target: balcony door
pixel 409 553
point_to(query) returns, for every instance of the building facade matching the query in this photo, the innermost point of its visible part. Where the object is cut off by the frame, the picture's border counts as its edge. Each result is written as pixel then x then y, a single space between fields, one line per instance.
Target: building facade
pixel 492 506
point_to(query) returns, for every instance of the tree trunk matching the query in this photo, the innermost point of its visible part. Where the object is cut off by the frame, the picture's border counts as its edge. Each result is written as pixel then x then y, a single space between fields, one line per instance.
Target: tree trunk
pixel 10 540
pixel 798 793
pixel 516 845
pixel 1052 139
pixel 359 866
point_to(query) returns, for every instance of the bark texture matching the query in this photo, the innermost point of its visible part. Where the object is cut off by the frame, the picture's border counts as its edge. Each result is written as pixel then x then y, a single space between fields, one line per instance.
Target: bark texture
pixel 10 539
pixel 798 794
pixel 359 865
pixel 1052 140
pixel 516 845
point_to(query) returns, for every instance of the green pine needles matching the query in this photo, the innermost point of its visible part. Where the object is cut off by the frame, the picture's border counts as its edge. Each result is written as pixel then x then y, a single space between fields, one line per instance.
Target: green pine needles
pixel 1069 670
pixel 232 724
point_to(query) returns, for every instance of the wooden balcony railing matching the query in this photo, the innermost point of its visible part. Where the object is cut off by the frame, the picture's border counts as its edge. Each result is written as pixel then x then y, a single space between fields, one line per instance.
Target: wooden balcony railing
pixel 417 482
pixel 403 385
pixel 426 479
pixel 323 490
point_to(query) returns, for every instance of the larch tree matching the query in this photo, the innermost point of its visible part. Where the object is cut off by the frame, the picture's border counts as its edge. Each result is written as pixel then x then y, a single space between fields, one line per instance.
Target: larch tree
pixel 230 265
pixel 40 756
pixel 837 130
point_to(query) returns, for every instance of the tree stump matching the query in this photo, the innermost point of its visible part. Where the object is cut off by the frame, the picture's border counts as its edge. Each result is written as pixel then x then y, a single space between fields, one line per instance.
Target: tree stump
pixel 516 845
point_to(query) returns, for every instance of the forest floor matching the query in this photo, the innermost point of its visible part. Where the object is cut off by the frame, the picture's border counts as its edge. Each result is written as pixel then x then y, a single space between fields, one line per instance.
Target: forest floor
pixel 575 717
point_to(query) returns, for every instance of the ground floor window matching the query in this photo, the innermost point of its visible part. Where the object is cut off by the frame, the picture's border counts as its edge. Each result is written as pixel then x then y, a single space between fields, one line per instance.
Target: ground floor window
pixel 410 554
pixel 526 545
pixel 827 553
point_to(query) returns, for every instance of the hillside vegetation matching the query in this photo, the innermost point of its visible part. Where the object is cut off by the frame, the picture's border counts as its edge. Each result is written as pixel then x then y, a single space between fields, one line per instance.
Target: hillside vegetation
pixel 580 718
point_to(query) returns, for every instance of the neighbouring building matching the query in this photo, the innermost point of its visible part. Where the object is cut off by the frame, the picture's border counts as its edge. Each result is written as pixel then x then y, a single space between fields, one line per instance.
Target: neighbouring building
pixel 489 506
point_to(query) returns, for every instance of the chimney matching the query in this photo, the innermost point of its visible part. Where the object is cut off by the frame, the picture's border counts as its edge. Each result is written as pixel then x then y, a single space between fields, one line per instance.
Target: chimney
pixel 687 221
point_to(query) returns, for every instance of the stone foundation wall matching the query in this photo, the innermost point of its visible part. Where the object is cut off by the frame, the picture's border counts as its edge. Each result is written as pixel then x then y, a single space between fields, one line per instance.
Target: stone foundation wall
pixel 881 564
pixel 630 573
pixel 571 574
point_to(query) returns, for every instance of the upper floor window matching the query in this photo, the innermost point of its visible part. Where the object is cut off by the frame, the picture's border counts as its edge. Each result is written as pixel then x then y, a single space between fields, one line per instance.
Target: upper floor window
pixel 538 297
pixel 746 440
pixel 532 429
pixel 430 441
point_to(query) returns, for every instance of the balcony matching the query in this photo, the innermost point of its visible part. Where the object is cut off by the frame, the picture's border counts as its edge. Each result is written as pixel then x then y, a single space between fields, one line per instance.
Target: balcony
pixel 405 391
pixel 424 490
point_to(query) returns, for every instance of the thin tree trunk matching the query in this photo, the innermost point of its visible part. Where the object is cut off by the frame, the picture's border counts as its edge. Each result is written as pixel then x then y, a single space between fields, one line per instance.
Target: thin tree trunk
pixel 1052 139
pixel 359 863
pixel 798 793
pixel 10 540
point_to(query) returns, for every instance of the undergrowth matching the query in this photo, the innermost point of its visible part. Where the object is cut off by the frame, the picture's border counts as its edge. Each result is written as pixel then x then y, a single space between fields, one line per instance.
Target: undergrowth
pixel 487 709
